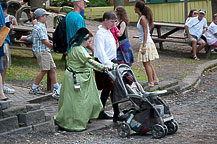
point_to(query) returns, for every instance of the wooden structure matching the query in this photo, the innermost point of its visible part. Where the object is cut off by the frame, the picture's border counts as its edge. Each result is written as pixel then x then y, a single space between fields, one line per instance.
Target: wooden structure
pixel 171 12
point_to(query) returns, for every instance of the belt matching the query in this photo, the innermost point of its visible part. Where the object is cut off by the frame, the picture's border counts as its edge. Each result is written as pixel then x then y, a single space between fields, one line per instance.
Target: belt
pixel 113 60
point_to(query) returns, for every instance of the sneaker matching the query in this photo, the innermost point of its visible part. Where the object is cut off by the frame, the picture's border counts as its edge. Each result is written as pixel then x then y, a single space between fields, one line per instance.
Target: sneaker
pixel 36 91
pixel 55 95
pixel 8 90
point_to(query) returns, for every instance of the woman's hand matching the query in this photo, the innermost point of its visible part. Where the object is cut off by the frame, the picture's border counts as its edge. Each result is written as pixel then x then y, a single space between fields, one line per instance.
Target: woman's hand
pixel 143 49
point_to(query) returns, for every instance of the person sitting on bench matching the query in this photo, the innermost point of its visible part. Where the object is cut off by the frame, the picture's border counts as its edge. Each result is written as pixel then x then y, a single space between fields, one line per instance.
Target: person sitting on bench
pixel 211 33
pixel 195 28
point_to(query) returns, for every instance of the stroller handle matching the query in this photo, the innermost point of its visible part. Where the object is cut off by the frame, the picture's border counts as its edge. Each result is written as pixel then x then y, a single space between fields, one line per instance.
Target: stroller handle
pixel 111 73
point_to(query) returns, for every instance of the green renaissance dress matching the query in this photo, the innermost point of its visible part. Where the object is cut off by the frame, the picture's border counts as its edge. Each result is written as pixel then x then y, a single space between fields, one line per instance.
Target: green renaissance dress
pixel 77 107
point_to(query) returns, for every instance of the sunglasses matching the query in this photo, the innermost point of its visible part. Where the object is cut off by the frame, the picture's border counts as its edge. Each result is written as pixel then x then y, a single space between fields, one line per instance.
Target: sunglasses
pixel 195 13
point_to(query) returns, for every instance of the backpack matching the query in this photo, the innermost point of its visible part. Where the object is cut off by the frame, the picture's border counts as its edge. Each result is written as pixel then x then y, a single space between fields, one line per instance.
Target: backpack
pixel 59 37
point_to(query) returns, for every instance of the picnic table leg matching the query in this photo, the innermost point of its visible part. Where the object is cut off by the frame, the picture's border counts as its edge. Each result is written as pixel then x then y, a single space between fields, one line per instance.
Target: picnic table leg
pixel 159 35
pixel 48 82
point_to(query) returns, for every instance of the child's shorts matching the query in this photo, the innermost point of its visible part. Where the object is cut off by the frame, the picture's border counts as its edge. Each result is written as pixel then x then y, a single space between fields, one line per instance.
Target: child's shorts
pixel 45 61
pixel 7 56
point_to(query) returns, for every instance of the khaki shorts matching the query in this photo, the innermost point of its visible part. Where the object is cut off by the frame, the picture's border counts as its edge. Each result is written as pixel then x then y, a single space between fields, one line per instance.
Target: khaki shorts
pixel 7 56
pixel 45 61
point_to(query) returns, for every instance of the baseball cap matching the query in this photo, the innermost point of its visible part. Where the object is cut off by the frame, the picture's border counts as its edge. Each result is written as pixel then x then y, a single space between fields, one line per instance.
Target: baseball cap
pixel 40 12
pixel 202 11
pixel 87 1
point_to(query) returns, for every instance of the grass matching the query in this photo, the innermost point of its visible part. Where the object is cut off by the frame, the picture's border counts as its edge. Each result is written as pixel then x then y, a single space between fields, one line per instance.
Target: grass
pixel 25 67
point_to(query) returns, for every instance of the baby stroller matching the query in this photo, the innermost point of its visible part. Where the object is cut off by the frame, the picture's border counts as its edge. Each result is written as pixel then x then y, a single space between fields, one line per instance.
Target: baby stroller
pixel 148 113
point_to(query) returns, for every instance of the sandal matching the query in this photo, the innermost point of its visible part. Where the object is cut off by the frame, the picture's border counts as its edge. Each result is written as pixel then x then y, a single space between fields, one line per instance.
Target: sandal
pixel 156 82
pixel 4 99
pixel 151 84
pixel 195 58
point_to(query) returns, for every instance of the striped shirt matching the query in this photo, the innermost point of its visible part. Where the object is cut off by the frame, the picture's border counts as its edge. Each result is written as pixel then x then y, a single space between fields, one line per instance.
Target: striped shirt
pixel 39 33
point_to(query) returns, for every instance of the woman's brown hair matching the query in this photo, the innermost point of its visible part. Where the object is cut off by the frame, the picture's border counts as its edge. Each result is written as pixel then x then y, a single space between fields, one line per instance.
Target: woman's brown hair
pixel 122 14
pixel 146 11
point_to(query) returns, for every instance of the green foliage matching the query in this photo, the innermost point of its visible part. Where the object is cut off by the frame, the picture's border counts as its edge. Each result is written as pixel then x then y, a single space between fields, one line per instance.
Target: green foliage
pixel 92 3
pixel 98 3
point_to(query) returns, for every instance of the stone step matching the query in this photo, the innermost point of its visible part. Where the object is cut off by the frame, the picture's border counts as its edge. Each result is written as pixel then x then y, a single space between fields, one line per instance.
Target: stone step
pixel 4 105
pixel 9 123
pixel 31 117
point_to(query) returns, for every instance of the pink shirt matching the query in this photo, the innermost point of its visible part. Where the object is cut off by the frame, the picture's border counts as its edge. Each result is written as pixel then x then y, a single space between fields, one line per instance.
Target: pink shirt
pixel 114 32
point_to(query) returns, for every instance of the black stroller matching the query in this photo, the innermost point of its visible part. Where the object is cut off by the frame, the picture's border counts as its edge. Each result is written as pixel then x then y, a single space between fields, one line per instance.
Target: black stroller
pixel 148 113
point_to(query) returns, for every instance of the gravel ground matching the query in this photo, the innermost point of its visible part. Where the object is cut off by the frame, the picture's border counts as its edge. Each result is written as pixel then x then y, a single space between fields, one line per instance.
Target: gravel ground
pixel 195 112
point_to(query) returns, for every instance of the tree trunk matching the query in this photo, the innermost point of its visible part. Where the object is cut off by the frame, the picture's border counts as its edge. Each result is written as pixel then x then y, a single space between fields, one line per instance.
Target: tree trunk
pixel 214 7
pixel 118 3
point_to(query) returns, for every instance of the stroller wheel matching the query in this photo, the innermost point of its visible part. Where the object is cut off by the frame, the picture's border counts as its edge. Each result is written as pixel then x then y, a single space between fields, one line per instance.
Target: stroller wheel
pixel 158 131
pixel 172 127
pixel 176 126
pixel 165 129
pixel 124 130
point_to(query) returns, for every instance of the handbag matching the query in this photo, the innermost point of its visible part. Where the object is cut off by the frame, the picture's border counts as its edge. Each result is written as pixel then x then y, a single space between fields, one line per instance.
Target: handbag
pixel 3 34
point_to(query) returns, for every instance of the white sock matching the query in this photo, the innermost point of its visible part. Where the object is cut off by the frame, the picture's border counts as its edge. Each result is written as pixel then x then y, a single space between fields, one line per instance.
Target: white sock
pixel 56 85
pixel 58 90
pixel 34 86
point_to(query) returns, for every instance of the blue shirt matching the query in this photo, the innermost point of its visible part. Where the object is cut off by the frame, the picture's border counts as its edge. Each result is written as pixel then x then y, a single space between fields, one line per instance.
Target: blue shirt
pixel 39 33
pixel 74 21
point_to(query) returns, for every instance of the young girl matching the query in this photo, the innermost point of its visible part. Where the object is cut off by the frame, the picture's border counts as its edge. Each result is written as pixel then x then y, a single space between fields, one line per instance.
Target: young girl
pixel 147 51
pixel 124 51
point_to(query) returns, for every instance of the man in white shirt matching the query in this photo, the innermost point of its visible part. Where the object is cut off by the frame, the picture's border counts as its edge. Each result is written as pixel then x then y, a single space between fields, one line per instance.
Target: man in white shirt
pixel 105 52
pixel 195 28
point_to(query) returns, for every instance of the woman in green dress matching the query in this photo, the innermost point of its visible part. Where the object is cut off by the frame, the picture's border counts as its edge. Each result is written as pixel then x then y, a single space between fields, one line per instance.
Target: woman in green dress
pixel 79 99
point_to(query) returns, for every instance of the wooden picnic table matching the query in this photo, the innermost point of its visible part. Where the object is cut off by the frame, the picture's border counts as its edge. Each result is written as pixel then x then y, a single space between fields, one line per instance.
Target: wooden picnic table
pixel 166 37
pixel 19 31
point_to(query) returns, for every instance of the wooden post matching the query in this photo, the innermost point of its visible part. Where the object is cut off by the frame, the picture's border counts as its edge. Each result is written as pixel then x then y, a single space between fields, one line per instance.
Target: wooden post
pixel 214 7
pixel 118 3
pixel 49 85
pixel 186 9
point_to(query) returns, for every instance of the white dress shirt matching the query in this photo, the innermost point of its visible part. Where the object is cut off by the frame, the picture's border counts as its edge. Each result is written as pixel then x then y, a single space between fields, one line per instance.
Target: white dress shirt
pixel 105 47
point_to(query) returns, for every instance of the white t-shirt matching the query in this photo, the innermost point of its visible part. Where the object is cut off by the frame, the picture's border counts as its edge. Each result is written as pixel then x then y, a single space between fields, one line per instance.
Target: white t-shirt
pixel 104 46
pixel 196 27
pixel 210 37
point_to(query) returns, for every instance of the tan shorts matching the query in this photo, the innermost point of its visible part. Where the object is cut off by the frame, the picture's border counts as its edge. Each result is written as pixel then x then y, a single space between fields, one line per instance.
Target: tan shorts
pixel 45 60
pixel 7 56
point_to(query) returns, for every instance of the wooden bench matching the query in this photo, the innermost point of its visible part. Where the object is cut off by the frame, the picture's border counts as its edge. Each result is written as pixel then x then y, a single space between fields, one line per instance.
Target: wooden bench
pixel 166 37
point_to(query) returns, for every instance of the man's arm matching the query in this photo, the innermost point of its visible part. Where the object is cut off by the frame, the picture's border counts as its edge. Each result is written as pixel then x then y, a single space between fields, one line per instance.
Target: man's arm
pixel 187 31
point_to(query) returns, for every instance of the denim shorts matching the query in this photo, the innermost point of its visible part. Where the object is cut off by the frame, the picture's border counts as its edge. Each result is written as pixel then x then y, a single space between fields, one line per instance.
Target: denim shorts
pixel 1 64
pixel 189 40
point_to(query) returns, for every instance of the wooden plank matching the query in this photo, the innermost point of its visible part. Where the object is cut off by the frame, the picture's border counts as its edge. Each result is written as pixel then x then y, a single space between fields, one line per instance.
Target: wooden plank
pixel 20 48
pixel 167 40
pixel 29 28
pixel 169 25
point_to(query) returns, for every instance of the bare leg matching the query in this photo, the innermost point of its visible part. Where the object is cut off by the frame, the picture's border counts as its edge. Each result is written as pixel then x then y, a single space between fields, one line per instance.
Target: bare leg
pixel 154 75
pixel 4 75
pixel 53 75
pixel 202 44
pixel 40 77
pixel 148 70
pixel 2 95
pixel 194 47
